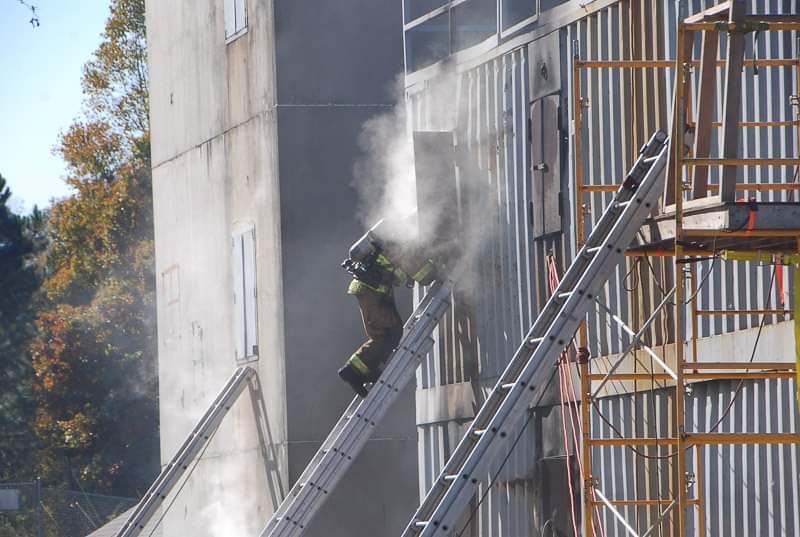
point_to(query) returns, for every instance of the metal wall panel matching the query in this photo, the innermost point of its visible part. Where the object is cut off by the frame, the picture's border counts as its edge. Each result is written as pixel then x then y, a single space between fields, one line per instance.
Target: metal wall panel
pixel 488 108
pixel 619 114
pixel 765 96
pixel 746 490
pixel 487 322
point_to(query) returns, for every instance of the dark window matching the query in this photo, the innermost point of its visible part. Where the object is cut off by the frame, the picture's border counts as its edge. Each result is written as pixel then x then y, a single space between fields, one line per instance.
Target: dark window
pixel 427 43
pixel 547 4
pixel 473 21
pixel 516 11
pixel 414 9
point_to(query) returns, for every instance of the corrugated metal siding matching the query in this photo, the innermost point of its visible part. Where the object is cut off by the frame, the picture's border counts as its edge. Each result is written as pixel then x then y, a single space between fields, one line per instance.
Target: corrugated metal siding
pixel 623 475
pixel 490 118
pixel 625 106
pixel 492 128
pixel 747 490
pixel 619 115
pixel 765 97
pixel 482 331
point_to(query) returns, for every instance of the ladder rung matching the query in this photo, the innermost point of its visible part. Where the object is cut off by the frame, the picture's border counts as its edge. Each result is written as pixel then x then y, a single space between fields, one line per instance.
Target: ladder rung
pixel 565 295
pixel 421 524
pixel 508 386
pixel 534 341
pixel 479 432
pixel 592 250
pixel 451 477
pixel 650 160
pixel 621 204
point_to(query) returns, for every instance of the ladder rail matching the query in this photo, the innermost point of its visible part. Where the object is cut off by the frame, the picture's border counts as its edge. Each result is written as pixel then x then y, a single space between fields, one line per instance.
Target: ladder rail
pixel 329 443
pixel 348 447
pixel 519 383
pixel 354 428
pixel 331 474
pixel 333 435
pixel 195 441
pixel 304 508
pixel 365 419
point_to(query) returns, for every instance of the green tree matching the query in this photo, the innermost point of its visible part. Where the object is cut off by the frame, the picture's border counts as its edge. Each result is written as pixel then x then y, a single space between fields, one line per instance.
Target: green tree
pixel 95 349
pixel 19 238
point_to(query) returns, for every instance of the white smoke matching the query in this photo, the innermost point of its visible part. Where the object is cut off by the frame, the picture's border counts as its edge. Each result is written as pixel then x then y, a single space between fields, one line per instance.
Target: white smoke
pixel 385 176
pixel 230 511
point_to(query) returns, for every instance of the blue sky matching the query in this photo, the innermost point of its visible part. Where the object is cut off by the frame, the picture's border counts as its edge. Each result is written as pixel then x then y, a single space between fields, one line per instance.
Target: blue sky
pixel 40 90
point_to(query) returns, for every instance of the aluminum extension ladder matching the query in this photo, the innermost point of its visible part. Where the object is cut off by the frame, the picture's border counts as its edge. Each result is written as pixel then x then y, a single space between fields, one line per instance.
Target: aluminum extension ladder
pixel 357 423
pixel 188 452
pixel 530 367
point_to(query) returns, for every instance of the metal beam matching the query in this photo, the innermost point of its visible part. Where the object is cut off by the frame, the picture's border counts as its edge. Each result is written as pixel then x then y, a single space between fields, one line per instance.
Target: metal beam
pixel 732 101
pixel 742 438
pixel 637 338
pixel 616 513
pixel 705 110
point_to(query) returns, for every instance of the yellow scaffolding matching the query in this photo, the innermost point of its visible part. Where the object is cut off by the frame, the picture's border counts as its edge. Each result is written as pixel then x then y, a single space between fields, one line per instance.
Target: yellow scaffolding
pixel 726 17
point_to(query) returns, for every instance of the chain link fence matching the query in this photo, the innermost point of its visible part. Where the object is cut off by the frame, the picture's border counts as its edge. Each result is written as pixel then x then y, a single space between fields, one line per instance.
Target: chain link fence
pixel 30 510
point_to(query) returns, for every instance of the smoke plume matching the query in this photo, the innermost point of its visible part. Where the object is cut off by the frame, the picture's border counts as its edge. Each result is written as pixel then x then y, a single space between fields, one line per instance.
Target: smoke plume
pixel 386 181
pixel 384 176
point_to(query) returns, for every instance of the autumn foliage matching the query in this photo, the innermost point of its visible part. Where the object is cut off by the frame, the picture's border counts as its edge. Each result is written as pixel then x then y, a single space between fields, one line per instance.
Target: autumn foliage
pixel 94 353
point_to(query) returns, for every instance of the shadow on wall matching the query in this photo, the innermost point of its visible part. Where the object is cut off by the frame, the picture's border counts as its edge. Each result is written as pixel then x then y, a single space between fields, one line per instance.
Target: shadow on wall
pixel 269 453
pixel 230 482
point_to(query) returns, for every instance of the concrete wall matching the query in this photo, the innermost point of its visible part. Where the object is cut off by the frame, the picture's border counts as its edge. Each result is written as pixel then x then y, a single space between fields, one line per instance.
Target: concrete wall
pixel 214 167
pixel 263 131
pixel 336 63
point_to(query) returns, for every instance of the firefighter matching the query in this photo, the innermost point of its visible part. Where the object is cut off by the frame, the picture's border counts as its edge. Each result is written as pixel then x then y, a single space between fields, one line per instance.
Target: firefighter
pixel 378 264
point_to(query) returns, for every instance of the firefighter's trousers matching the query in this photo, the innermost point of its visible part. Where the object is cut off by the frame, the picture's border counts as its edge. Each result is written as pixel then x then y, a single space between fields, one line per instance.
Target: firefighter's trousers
pixel 384 328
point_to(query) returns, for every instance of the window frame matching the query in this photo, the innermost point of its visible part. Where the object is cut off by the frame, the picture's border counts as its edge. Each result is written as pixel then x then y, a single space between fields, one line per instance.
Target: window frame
pixel 244 278
pixel 499 35
pixel 504 34
pixel 237 33
pixel 456 3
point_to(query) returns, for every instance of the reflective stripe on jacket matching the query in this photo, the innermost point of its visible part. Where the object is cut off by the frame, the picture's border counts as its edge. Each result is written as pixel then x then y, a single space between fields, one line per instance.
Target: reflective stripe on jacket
pixel 393 276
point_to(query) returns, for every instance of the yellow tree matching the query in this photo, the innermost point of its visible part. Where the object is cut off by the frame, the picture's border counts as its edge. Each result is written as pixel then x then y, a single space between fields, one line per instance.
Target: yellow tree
pixel 95 350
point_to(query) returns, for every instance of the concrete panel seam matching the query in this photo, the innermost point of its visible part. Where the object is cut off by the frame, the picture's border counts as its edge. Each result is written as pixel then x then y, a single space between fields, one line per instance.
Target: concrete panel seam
pixel 260 115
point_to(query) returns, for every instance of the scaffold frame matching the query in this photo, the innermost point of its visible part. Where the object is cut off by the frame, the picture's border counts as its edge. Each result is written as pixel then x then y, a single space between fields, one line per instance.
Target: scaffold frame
pixel 725 17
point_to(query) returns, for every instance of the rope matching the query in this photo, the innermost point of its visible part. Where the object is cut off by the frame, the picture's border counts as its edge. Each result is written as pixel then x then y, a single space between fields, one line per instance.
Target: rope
pixel 554 281
pixel 566 445
pixel 632 276
pixel 595 511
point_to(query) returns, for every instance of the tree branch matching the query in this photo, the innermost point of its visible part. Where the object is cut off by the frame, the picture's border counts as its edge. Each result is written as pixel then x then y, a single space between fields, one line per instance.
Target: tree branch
pixel 34 16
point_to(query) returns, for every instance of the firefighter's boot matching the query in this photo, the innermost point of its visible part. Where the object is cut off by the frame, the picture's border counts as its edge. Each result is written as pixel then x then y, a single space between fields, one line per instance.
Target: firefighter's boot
pixel 351 377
